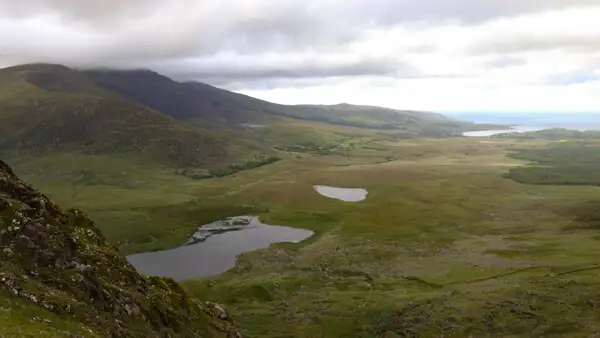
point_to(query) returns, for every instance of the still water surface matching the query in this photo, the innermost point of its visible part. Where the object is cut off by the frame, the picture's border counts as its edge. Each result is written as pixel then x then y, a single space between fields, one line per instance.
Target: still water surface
pixel 342 194
pixel 216 254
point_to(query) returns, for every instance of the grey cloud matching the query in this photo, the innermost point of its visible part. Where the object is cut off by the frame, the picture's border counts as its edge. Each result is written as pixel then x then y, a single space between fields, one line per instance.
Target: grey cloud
pixel 76 11
pixel 529 42
pixel 585 73
pixel 313 69
pixel 256 83
pixel 272 83
pixel 176 28
pixel 504 61
pixel 165 35
pixel 365 12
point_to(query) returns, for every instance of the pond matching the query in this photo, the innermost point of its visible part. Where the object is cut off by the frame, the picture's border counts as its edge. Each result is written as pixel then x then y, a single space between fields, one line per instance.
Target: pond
pixel 342 194
pixel 208 255
pixel 252 125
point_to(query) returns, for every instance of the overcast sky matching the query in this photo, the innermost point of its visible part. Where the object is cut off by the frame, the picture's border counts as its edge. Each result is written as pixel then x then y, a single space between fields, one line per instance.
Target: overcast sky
pixel 440 55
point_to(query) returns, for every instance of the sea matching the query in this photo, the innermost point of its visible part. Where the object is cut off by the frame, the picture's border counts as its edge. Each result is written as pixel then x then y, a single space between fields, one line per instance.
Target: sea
pixel 578 121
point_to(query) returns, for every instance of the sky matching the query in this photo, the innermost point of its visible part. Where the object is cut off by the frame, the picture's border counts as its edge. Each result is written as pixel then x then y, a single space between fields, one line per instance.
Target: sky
pixel 435 55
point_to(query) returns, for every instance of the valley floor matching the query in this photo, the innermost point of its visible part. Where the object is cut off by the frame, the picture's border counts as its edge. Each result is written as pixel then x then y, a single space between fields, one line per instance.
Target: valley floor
pixel 444 244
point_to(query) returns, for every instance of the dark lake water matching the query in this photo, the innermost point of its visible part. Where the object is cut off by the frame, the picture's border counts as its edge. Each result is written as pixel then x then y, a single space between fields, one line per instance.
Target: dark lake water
pixel 216 254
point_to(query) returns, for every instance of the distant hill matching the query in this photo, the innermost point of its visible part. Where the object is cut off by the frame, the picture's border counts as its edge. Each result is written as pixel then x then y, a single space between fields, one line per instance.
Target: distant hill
pixel 49 108
pixel 375 117
pixel 195 100
pixel 156 91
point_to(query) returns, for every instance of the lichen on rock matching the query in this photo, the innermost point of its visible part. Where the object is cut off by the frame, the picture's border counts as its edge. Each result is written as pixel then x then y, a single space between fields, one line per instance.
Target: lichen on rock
pixel 60 261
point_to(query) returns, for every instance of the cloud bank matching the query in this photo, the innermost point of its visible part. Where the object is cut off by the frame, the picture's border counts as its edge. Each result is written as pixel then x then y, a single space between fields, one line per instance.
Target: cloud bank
pixel 429 54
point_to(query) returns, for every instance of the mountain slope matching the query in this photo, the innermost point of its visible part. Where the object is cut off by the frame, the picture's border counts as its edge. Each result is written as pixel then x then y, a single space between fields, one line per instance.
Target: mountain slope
pixel 57 261
pixel 157 92
pixel 49 108
pixel 191 100
pixel 340 114
pixel 183 101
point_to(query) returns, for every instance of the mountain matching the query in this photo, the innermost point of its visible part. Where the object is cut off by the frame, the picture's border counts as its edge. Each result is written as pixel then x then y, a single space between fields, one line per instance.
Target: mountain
pixel 46 107
pixel 195 100
pixel 60 278
pixel 372 117
pixel 179 100
pixel 139 114
pixel 50 108
pixel 341 114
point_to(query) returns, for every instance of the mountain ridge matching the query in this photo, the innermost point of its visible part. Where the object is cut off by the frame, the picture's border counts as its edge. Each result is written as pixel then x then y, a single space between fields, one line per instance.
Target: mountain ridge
pixel 51 107
pixel 201 100
pixel 213 107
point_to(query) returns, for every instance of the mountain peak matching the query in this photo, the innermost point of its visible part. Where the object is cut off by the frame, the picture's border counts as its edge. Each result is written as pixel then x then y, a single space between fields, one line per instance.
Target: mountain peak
pixel 51 77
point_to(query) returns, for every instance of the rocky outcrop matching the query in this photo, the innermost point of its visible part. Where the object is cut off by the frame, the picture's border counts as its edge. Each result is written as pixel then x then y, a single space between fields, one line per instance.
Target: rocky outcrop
pixel 60 261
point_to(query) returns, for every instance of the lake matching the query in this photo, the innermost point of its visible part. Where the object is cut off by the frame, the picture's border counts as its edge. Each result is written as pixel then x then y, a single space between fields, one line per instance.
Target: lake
pixel 488 133
pixel 217 253
pixel 342 194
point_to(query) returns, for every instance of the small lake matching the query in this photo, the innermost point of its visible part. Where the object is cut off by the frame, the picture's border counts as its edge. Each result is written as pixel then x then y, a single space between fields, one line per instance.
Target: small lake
pixel 216 253
pixel 342 194
pixel 252 125
pixel 488 133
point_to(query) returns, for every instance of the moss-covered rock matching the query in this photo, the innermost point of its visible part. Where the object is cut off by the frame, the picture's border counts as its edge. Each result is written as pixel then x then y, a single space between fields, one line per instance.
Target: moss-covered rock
pixel 60 261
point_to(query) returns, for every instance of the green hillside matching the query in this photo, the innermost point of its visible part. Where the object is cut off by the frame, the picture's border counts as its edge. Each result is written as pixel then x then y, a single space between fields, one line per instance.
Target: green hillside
pixel 555 133
pixel 48 108
pixel 195 100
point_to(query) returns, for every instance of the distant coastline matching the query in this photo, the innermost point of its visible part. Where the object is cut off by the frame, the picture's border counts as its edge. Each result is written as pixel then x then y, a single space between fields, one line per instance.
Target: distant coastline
pixel 576 121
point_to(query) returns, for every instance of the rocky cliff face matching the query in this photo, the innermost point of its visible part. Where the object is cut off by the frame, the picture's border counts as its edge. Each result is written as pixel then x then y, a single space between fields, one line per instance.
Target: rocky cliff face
pixel 60 261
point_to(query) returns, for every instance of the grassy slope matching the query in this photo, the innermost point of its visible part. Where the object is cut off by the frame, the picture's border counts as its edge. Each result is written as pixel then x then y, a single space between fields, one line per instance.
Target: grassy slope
pixel 575 162
pixel 19 318
pixel 553 134
pixel 143 205
pixel 442 244
pixel 158 92
pixel 123 196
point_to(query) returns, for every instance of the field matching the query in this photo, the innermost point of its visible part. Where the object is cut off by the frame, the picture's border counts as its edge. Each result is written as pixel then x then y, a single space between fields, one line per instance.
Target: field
pixel 444 245
pixel 567 162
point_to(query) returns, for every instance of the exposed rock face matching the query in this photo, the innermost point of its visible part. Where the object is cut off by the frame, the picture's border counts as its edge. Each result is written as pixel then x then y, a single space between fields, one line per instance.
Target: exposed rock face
pixel 59 260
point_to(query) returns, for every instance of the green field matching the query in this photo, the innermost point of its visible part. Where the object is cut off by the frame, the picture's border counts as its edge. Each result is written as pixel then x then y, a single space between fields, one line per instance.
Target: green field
pixel 567 162
pixel 444 245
